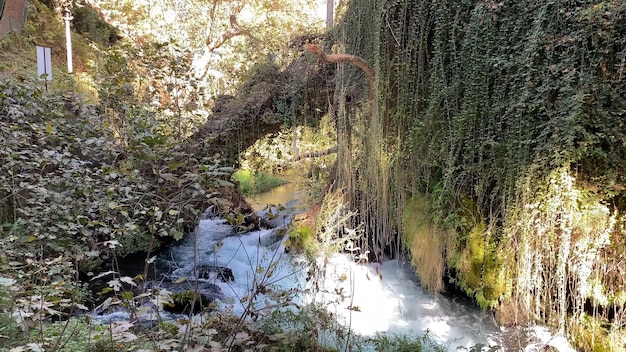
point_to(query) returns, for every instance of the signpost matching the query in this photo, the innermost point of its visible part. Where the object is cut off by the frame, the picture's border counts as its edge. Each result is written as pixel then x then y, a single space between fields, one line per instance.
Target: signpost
pixel 44 65
pixel 67 17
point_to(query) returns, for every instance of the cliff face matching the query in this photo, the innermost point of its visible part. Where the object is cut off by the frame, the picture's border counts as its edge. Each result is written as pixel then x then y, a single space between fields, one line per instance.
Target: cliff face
pixel 504 122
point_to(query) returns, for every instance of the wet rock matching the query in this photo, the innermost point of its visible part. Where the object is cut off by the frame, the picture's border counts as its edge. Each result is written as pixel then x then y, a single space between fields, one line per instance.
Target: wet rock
pixel 210 272
pixel 187 295
pixel 190 302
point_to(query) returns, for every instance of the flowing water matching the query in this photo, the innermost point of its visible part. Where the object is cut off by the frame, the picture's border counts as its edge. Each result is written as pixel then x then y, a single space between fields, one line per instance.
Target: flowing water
pixel 383 297
pixel 368 298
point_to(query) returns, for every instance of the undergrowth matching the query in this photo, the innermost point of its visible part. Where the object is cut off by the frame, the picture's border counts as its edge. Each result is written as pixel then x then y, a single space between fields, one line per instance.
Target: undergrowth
pixel 256 182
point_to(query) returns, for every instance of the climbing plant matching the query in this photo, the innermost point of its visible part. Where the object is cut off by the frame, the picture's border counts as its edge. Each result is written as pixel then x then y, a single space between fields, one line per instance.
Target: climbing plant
pixel 490 109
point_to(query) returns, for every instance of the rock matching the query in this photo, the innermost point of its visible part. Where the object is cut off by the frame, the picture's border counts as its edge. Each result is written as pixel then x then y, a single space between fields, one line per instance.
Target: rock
pixel 182 294
pixel 190 302
pixel 209 272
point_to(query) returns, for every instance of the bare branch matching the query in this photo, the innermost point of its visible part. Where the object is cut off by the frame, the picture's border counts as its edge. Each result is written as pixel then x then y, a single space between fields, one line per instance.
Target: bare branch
pixel 234 30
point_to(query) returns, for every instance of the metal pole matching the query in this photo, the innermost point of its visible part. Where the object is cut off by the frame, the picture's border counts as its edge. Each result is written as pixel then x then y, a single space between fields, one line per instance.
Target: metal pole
pixel 330 7
pixel 68 38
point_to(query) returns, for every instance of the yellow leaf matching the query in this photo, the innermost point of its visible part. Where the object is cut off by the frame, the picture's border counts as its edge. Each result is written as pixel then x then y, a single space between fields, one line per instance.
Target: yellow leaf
pixel 180 280
pixel 49 127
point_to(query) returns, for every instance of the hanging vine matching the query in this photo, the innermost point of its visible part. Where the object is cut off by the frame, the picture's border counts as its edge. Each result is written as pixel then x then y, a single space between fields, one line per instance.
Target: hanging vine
pixel 509 118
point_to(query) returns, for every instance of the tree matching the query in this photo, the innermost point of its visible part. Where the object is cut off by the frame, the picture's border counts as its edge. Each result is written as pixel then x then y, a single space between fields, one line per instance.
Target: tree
pixel 224 37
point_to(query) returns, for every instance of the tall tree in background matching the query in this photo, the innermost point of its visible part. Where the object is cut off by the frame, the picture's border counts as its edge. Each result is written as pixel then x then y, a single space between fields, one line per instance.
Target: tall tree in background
pixel 224 37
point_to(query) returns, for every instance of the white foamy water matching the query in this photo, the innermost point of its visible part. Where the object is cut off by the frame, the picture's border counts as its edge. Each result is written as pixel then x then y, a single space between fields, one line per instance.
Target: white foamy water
pixel 376 298
pixel 387 297
pixel 373 298
pixel 255 258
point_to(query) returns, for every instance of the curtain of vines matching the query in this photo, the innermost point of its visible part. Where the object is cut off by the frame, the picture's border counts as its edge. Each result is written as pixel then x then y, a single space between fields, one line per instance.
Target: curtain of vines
pixel 480 105
pixel 366 147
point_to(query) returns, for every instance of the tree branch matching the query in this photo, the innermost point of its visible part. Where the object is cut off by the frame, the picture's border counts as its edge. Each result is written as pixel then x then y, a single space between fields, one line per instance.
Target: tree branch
pixel 233 31
pixel 347 58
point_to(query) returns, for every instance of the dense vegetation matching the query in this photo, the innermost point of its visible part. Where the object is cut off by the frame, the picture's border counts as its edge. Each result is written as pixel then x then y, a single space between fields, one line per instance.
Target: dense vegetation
pixel 496 147
pixel 96 166
pixel 491 149
pixel 93 168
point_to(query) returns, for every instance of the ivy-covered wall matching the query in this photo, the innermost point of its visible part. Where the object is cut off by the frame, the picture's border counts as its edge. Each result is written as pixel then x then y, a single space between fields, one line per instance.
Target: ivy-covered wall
pixel 509 117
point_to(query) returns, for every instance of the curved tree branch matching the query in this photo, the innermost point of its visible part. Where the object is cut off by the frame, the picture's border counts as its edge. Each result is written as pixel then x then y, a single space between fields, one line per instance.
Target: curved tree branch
pixel 347 58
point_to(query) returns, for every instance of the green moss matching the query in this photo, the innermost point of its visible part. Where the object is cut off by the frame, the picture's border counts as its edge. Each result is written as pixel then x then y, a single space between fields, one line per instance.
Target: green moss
pixel 479 268
pixel 592 334
pixel 184 300
pixel 301 239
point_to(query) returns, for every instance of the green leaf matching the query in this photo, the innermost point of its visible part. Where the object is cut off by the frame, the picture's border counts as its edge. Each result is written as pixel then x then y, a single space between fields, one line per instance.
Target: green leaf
pixel 178 235
pixel 240 218
pixel 127 295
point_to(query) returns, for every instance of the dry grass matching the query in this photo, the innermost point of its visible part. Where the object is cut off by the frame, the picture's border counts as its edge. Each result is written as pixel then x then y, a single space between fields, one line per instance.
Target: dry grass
pixel 425 243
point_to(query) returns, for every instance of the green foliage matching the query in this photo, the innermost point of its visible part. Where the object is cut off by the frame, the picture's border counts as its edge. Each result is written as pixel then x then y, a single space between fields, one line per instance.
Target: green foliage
pixel 75 194
pixel 300 238
pixel 223 39
pixel 480 267
pixel 403 343
pixel 425 242
pixel 591 334
pixel 302 330
pixel 253 183
pixel 478 104
pixel 101 191
pixel 87 22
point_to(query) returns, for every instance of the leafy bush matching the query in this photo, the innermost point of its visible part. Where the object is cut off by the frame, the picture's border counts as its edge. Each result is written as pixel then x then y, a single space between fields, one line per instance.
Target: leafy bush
pixel 73 196
pixel 68 180
pixel 398 343
pixel 87 22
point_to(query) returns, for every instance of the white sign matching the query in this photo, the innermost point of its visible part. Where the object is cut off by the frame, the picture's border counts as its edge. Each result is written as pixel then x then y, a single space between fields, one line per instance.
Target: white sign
pixel 44 63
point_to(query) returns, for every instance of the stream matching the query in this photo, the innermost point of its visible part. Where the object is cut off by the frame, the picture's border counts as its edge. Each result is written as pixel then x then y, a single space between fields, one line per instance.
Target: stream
pixel 375 297
pixel 383 297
